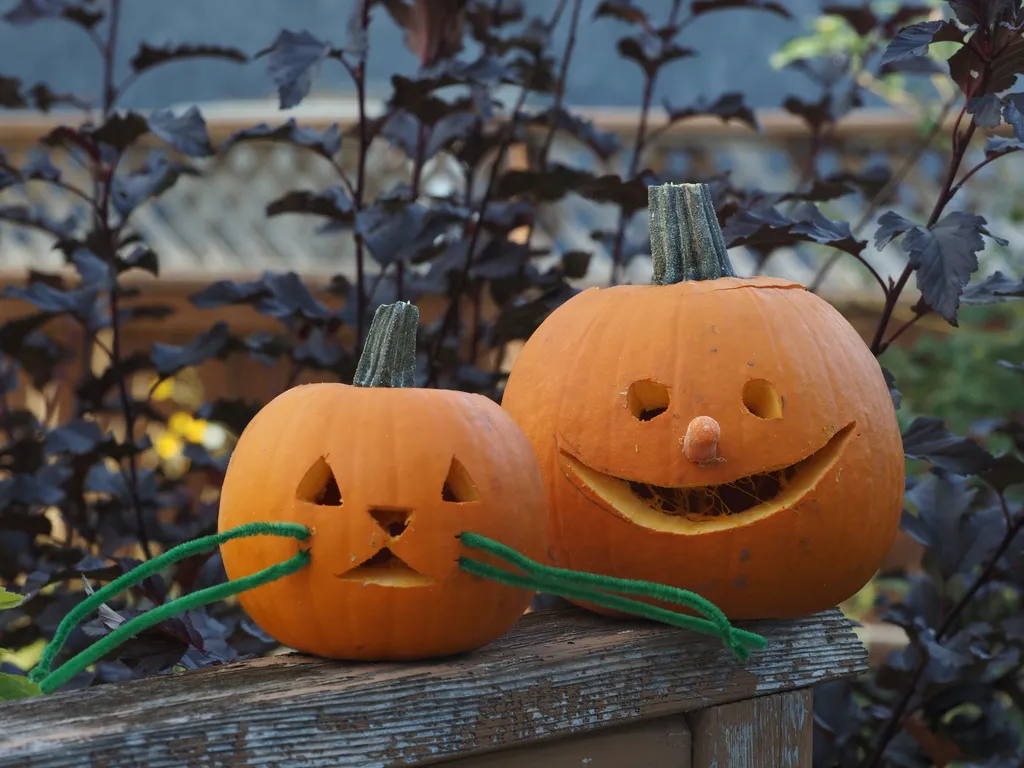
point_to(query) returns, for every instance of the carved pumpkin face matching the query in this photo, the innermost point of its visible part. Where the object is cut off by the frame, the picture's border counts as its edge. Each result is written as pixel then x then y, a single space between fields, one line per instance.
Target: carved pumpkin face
pixel 733 437
pixel 386 479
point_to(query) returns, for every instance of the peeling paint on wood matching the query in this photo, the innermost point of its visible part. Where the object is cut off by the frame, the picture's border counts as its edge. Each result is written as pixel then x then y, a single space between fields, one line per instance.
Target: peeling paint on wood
pixel 556 674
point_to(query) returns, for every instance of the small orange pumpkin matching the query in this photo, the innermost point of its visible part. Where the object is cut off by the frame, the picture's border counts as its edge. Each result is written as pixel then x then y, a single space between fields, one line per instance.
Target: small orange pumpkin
pixel 387 476
pixel 730 436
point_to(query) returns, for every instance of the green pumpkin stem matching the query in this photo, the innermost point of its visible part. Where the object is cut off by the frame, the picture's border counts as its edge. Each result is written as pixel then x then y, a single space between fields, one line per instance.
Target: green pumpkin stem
pixel 389 357
pixel 686 241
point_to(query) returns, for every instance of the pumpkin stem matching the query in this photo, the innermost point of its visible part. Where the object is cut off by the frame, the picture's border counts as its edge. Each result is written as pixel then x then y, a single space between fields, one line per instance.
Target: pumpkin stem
pixel 389 357
pixel 686 241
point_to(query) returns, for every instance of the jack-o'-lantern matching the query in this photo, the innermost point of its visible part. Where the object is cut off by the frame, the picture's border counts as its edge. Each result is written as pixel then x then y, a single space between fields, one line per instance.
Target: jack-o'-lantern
pixel 730 436
pixel 386 476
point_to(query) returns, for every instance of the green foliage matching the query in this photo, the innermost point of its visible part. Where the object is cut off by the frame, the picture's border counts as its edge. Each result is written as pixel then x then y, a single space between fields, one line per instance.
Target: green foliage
pixel 955 375
pixel 14 686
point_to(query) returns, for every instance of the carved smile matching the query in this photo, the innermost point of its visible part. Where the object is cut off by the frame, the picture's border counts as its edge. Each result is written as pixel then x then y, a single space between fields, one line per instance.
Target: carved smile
pixel 386 569
pixel 693 508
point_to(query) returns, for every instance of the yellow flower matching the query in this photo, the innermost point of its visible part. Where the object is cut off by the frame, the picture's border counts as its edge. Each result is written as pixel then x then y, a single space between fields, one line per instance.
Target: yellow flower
pixel 164 390
pixel 179 422
pixel 195 430
pixel 169 445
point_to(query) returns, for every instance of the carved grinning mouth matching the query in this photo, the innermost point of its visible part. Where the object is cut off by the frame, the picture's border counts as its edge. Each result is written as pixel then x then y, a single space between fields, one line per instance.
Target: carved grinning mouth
pixel 387 570
pixel 704 507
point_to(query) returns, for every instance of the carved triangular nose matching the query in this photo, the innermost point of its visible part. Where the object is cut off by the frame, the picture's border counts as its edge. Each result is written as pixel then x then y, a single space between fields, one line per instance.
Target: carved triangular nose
pixel 392 520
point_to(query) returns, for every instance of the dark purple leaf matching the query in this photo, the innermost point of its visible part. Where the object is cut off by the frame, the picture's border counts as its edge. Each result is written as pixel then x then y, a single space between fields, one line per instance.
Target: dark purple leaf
pixel 650 53
pixel 1013 114
pixel 149 56
pixel 40 167
pixel 333 203
pixel 945 257
pixel 915 39
pixel 41 489
pixel 11 96
pixel 186 132
pixel 927 438
pixel 290 297
pixel 890 226
pixel 397 231
pixel 1006 470
pixel 30 11
pixel 987 110
pixel 945 523
pixel 38 219
pixel 225 292
pixel 294 61
pixel 129 191
pixel 623 10
pixel 77 437
pixel 602 143
pixel 319 350
pixel 764 227
pixel 707 6
pixel 995 287
pixel 141 258
pixel 728 106
pixel 96 273
pixel 120 131
pixel 235 414
pixel 326 142
pixel 79 303
pixel 575 264
pixel 168 359
pixel 894 393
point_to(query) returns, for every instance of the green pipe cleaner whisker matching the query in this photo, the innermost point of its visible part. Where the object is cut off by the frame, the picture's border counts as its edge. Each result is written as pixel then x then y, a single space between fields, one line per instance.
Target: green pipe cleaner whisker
pixel 738 642
pixel 599 590
pixel 51 681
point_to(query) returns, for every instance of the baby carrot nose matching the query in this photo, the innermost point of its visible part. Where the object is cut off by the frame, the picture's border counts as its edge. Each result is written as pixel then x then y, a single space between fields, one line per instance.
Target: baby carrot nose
pixel 701 442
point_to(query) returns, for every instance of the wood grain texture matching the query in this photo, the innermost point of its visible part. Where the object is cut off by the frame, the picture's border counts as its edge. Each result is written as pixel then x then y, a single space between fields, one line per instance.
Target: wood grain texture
pixel 557 673
pixel 775 731
pixel 661 743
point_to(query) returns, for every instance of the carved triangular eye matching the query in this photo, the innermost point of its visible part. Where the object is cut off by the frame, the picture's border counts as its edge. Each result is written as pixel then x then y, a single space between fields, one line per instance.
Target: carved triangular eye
pixel 459 486
pixel 319 486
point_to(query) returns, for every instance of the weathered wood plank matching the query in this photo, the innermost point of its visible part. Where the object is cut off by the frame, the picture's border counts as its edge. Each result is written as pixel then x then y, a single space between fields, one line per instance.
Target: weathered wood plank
pixel 775 731
pixel 661 743
pixel 556 673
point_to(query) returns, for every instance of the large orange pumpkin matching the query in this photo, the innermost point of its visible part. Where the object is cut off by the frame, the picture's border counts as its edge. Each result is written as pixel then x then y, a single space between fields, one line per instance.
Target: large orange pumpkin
pixel 386 476
pixel 730 436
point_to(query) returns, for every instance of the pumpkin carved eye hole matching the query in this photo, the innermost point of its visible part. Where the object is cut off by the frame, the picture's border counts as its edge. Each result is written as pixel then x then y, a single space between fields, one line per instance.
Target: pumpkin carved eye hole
pixel 647 399
pixel 458 485
pixel 762 399
pixel 319 486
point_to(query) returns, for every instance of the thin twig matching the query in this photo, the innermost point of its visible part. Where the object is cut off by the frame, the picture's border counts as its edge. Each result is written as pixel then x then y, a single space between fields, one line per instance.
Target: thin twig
pixel 451 315
pixel 640 141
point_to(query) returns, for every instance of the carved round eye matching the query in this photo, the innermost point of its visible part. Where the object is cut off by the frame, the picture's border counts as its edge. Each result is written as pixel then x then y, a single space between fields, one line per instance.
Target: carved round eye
pixel 647 398
pixel 762 399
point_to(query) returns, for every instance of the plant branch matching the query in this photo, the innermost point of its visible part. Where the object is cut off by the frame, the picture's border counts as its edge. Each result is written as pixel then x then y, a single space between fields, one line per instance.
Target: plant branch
pixel 960 144
pixel 876 201
pixel 358 73
pixel 640 141
pixel 451 315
